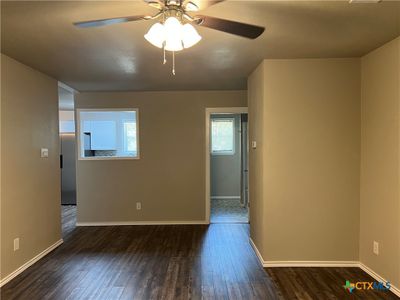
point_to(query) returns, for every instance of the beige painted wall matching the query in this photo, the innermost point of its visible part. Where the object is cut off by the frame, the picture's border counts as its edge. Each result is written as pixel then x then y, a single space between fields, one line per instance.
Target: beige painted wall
pixel 255 87
pixel 169 177
pixel 380 153
pixel 311 159
pixel 30 195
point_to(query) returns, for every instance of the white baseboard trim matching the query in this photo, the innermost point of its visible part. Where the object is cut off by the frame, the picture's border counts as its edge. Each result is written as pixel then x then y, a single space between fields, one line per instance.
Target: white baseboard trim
pixel 281 264
pixel 311 263
pixel 142 223
pixel 271 264
pixel 395 290
pixel 225 197
pixel 29 263
pixel 259 256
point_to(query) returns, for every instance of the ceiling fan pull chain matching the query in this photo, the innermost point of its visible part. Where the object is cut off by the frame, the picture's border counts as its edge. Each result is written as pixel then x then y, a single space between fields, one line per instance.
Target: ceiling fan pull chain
pixel 173 63
pixel 164 43
pixel 165 60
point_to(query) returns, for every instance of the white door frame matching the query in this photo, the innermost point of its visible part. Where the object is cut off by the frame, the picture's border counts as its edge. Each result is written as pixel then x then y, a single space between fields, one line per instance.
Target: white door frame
pixel 209 112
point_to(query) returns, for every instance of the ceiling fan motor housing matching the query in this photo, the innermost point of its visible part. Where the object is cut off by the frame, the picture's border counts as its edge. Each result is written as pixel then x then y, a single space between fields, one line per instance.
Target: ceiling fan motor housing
pixel 173 2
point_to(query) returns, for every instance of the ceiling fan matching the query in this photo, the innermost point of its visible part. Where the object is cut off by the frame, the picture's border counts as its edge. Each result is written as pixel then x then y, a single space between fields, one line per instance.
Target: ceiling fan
pixel 174 31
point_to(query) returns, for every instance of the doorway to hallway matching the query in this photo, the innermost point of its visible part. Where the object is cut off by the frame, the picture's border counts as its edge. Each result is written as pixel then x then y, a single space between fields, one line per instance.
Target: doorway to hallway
pixel 228 166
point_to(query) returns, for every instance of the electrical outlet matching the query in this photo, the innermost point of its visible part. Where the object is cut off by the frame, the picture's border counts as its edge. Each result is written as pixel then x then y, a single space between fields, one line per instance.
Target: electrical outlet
pixel 376 248
pixel 138 205
pixel 16 244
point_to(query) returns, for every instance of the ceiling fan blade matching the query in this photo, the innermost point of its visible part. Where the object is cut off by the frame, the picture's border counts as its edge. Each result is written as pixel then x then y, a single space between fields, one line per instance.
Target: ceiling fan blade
pixel 191 5
pixel 232 27
pixel 103 22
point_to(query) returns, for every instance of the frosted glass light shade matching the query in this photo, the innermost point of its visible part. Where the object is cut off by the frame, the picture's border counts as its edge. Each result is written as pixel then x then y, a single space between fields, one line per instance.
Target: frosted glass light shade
pixel 156 35
pixel 190 37
pixel 173 34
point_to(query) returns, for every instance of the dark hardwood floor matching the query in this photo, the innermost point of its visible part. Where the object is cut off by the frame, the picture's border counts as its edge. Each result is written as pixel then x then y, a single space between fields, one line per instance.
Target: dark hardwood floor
pixel 323 283
pixel 171 262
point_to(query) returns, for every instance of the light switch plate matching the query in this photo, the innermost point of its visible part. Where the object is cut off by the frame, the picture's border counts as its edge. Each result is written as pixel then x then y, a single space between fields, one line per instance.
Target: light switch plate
pixel 16 244
pixel 254 144
pixel 44 152
pixel 375 248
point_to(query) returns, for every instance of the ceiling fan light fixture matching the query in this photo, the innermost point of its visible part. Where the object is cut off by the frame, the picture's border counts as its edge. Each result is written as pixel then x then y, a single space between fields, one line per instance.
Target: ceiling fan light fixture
pixel 190 36
pixel 173 26
pixel 173 45
pixel 156 35
pixel 173 34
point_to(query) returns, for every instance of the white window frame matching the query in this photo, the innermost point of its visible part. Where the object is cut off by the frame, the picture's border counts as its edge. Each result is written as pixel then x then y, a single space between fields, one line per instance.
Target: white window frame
pixel 79 134
pixel 233 137
pixel 125 144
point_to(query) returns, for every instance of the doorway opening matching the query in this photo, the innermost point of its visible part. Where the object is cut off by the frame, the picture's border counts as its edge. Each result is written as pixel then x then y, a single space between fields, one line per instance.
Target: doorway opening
pixel 67 156
pixel 227 165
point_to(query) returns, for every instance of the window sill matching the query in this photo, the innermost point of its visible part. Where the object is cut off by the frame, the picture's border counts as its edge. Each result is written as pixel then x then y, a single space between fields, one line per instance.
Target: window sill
pixel 109 158
pixel 222 153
